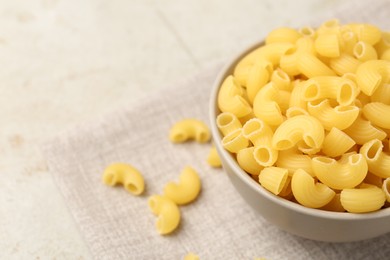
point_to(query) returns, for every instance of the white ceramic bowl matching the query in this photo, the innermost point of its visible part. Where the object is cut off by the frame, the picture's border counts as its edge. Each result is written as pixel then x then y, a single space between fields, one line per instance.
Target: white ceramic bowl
pixel 289 216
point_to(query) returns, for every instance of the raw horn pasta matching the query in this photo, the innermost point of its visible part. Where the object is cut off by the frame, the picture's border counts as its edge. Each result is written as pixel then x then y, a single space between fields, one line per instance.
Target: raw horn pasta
pixel 307 114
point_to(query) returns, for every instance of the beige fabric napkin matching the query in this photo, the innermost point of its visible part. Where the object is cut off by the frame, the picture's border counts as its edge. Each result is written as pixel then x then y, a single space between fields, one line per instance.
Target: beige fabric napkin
pixel 219 224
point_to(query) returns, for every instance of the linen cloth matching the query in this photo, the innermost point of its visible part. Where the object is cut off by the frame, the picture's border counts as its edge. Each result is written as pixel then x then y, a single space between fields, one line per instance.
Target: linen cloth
pixel 219 224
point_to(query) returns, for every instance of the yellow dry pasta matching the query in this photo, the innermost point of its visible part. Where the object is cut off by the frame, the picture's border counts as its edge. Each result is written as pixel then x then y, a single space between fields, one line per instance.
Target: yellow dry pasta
pixel 386 188
pixel 213 158
pixel 381 94
pixel 281 80
pixel 307 32
pixel 387 131
pixel 273 179
pixel 368 33
pixel 295 111
pixel 312 103
pixel 352 76
pixel 311 66
pixel 340 175
pixel 386 144
pixel 378 161
pixel 186 190
pixel 337 143
pixel 306 149
pixel 378 114
pixel 343 64
pixel 260 134
pixel 227 123
pixel 365 198
pixel 331 26
pixel 230 98
pixel 241 74
pixel 358 103
pixel 191 256
pixel 306 128
pixel 167 211
pixel 270 52
pixel 125 174
pixel 265 154
pixel 309 193
pixel 246 118
pixel 349 39
pixel 364 51
pixel 189 129
pixel 289 63
pixel 328 45
pixel 296 98
pixel 361 100
pixel 371 74
pixel 385 55
pixel 282 35
pixel 383 44
pixel 235 141
pixel 305 44
pixel 293 159
pixel 246 160
pixel 265 105
pixel 258 76
pixel 257 131
pixel 286 191
pixel 343 90
pixel 340 117
pixel 362 131
pixel 283 101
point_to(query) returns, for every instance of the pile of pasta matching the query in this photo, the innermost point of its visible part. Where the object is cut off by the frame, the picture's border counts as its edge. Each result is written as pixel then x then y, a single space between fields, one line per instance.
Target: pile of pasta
pixel 307 114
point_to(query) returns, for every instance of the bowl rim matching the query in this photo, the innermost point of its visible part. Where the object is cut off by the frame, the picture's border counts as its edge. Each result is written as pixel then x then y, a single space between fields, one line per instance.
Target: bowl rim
pixel 236 169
